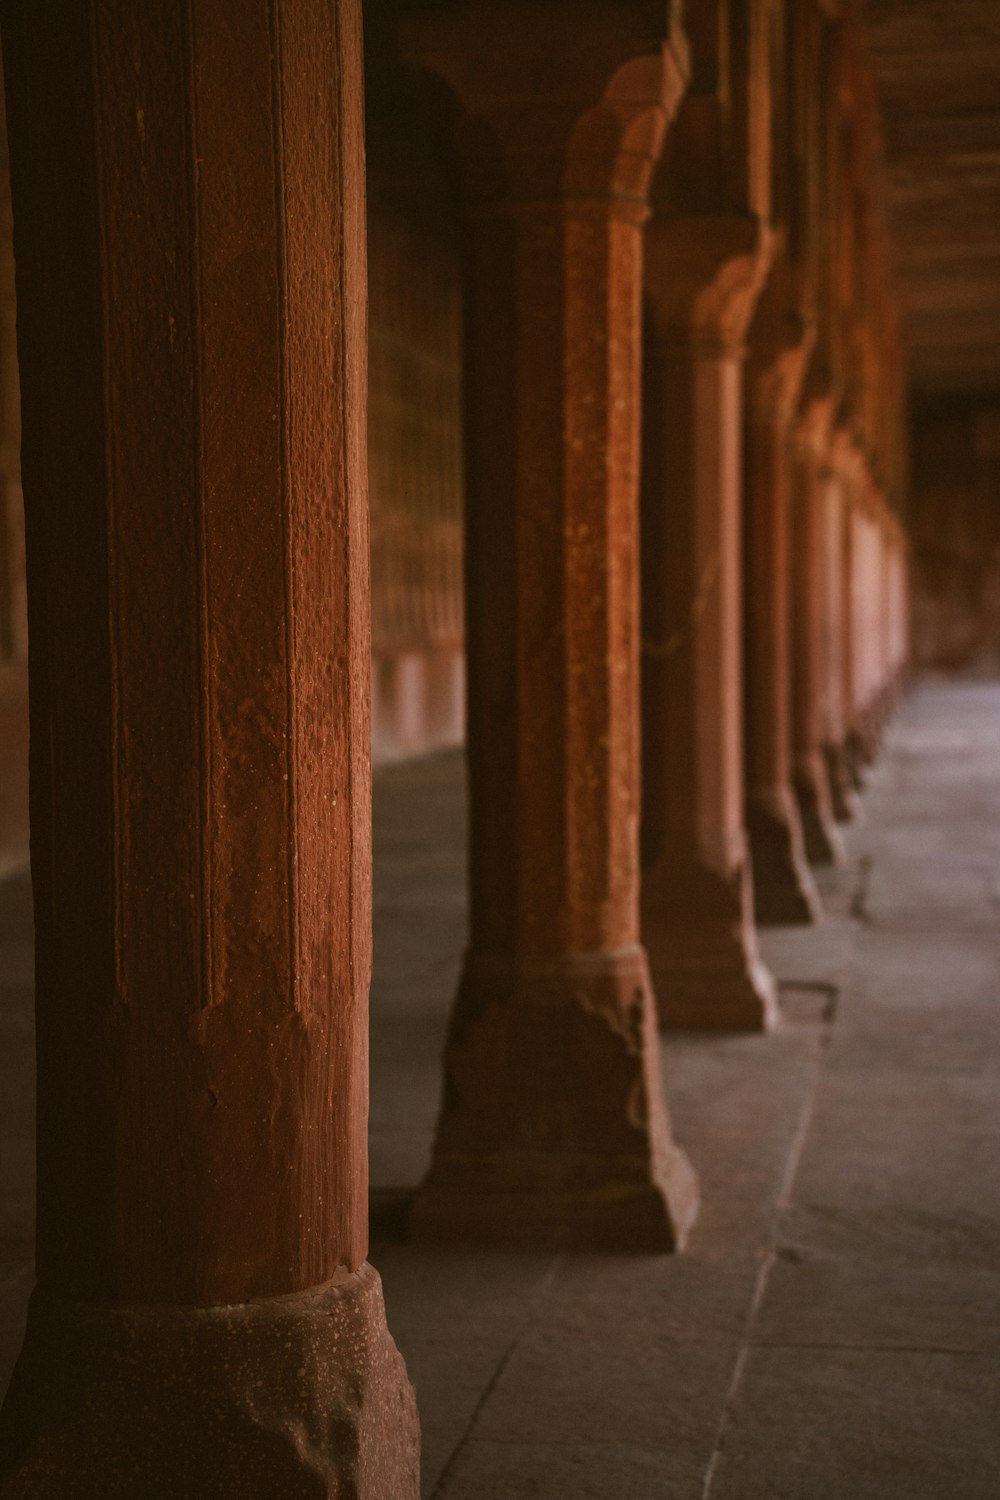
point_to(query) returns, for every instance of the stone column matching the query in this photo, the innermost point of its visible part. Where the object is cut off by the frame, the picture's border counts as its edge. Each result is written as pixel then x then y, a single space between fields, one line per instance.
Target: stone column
pixel 898 609
pixel 856 685
pixel 703 279
pixel 553 1128
pixel 810 632
pixel 870 621
pixel 843 794
pixel 784 887
pixel 836 749
pixel 189 229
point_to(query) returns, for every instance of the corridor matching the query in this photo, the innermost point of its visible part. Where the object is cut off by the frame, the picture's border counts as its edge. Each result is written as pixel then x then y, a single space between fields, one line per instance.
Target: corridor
pixel 832 1328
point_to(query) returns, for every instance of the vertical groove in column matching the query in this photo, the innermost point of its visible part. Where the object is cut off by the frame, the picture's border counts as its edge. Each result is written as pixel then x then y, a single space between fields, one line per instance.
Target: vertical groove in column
pixel 206 769
pixel 284 401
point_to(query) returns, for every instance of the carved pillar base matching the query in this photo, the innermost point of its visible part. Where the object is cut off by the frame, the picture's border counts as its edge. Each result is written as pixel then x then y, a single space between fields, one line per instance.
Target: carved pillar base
pixel 707 971
pixel 824 845
pixel 302 1396
pixel 553 1132
pixel 784 890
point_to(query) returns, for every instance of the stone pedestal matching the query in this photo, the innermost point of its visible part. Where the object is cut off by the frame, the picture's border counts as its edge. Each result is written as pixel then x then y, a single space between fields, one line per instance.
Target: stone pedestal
pixel 304 1395
pixel 703 279
pixel 189 230
pixel 780 347
pixel 553 1129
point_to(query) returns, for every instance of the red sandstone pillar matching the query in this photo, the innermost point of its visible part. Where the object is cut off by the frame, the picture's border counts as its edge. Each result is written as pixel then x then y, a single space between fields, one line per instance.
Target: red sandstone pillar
pixel 703 279
pixel 844 797
pixel 783 885
pixel 898 619
pixel 553 1127
pixel 840 747
pixel 810 625
pixel 871 620
pixel 891 665
pixel 855 685
pixel 189 222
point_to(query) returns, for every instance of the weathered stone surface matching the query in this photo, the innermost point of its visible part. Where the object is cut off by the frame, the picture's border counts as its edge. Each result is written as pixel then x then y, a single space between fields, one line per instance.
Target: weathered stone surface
pixel 189 201
pixel 303 1396
pixel 552 1129
pixel 707 970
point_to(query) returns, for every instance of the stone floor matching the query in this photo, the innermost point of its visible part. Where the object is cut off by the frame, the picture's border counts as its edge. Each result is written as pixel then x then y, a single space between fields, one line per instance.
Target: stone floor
pixel 833 1329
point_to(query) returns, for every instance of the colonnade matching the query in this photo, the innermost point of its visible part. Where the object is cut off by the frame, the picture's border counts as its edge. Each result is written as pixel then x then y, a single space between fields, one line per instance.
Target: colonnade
pixel 646 780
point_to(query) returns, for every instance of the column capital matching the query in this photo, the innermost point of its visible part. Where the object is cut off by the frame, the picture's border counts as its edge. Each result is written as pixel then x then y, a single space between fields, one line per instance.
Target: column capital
pixel 568 111
pixel 782 340
pixel 846 458
pixel 814 429
pixel 704 275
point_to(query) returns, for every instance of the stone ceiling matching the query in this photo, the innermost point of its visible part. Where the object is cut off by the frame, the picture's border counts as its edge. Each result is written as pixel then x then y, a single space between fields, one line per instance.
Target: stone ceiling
pixel 937 69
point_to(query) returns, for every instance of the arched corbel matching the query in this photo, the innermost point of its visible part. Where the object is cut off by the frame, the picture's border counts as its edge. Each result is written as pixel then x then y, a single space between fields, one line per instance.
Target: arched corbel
pixel 615 145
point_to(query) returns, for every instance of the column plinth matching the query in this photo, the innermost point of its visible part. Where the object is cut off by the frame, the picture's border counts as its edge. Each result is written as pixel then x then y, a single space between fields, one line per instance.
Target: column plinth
pixel 702 940
pixel 264 1398
pixel 704 275
pixel 536 1143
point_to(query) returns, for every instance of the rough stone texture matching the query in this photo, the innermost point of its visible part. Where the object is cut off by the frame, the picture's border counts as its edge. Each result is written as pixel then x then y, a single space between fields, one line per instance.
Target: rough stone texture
pixel 303 1396
pixel 529 1046
pixel 189 233
pixel 199 758
pixel 554 1025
